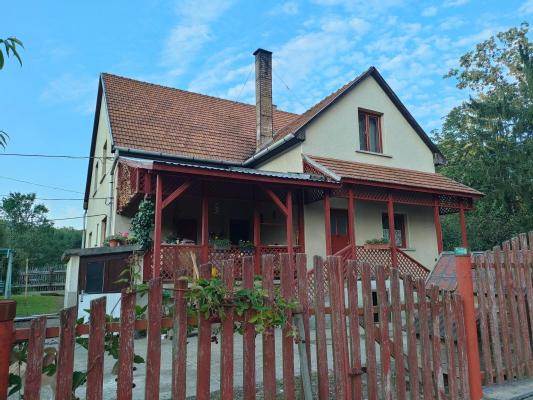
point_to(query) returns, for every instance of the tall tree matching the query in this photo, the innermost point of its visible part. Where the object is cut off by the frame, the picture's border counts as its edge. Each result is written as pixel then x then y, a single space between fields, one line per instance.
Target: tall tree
pixel 488 140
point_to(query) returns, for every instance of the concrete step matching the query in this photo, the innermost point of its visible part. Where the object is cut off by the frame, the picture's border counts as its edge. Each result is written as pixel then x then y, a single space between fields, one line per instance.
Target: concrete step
pixel 518 390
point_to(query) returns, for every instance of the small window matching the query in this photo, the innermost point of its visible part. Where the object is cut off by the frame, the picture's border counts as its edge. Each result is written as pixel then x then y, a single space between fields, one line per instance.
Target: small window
pixel 370 132
pixel 399 228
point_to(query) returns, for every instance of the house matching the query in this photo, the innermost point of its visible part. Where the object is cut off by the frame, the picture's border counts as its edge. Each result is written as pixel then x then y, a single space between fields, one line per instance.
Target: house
pixel 354 167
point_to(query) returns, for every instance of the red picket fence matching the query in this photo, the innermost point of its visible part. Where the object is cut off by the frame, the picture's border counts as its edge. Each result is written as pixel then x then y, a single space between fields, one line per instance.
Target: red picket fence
pixel 386 336
pixel 504 286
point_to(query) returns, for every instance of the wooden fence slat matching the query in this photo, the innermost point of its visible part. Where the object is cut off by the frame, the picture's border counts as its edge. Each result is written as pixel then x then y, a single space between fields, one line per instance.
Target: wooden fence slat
pixel 203 360
pixel 519 276
pixel 385 345
pixel 303 298
pixel 153 347
pixel 249 333
pixel 355 337
pixel 449 318
pixel 412 357
pixel 485 348
pixel 126 346
pixel 269 347
pixel 513 306
pixel 65 356
pixel 179 338
pixel 502 315
pixel 226 335
pixel 527 269
pixel 95 357
pixel 34 366
pixel 436 307
pixel 425 344
pixel 337 333
pixel 370 343
pixel 287 342
pixel 461 346
pixel 398 334
pixel 320 328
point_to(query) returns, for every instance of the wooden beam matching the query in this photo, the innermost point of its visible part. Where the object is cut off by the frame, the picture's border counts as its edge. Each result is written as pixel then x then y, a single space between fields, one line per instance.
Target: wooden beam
pixel 204 258
pixel 392 231
pixel 438 226
pixel 177 193
pixel 327 223
pixel 462 222
pixel 351 221
pixel 257 238
pixel 289 226
pixel 276 200
pixel 301 223
pixel 156 269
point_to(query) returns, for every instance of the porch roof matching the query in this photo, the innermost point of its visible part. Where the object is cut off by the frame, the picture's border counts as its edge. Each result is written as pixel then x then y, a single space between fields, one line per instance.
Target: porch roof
pixel 395 178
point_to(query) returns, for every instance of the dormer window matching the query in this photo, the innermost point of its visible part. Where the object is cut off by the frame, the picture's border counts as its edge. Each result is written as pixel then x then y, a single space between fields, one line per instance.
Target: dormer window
pixel 370 131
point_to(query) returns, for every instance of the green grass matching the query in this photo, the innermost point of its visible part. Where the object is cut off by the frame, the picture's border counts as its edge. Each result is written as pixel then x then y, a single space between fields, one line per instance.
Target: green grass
pixel 36 304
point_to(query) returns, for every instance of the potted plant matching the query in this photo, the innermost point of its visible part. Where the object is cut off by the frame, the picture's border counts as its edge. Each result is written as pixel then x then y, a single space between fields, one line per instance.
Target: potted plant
pixel 377 244
pixel 118 239
pixel 221 244
pixel 246 247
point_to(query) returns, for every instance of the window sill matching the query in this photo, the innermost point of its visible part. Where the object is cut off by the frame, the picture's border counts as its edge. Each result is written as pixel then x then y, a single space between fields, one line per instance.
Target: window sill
pixel 407 248
pixel 372 153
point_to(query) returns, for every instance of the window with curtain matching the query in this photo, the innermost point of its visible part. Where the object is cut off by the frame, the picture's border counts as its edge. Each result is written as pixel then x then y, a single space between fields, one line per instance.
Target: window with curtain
pixel 370 132
pixel 400 233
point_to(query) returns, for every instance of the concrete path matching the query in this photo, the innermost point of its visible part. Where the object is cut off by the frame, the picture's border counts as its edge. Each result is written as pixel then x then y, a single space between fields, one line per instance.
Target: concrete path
pixel 519 390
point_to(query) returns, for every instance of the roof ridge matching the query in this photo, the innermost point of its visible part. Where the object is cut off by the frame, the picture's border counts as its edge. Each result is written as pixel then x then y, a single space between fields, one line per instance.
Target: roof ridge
pixel 189 91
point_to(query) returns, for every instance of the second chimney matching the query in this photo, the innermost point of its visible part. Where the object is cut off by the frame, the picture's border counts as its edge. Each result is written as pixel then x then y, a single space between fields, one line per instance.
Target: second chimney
pixel 263 97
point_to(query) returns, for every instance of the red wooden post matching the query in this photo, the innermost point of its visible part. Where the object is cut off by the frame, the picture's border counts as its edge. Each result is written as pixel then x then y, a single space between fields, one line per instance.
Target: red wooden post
pixel 320 316
pixel 126 351
pixel 466 290
pixel 438 226
pixel 203 360
pixel 269 348
pixel 179 339
pixel 351 221
pixel 156 270
pixel 205 228
pixel 248 336
pixel 301 224
pixel 65 357
pixel 257 238
pixel 289 222
pixel 153 348
pixel 226 335
pixel 327 223
pixel 95 359
pixel 8 309
pixel 392 231
pixel 287 342
pixel 464 237
pixel 34 366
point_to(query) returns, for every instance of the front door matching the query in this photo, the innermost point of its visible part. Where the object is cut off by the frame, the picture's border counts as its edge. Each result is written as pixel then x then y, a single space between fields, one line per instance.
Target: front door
pixel 339 230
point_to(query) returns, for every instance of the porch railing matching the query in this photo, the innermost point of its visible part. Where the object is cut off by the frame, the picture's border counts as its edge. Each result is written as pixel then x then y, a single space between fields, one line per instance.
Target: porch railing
pixel 173 255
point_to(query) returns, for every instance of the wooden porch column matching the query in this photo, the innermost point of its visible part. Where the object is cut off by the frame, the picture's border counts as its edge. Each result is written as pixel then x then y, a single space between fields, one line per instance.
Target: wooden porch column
pixel 438 226
pixel 462 222
pixel 327 223
pixel 257 238
pixel 290 244
pixel 392 232
pixel 156 261
pixel 351 221
pixel 301 224
pixel 204 255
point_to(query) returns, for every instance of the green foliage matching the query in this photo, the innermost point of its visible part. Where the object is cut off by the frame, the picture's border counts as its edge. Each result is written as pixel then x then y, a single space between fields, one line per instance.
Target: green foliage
pixel 488 140
pixel 377 241
pixel 142 224
pixel 3 138
pixel 221 243
pixel 10 49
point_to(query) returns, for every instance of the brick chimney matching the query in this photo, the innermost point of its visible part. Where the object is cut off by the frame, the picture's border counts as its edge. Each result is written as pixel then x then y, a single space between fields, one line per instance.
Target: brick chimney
pixel 263 97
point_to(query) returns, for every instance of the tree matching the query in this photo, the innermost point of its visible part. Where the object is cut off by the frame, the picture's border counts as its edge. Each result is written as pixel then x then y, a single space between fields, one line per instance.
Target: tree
pixel 488 140
pixel 10 48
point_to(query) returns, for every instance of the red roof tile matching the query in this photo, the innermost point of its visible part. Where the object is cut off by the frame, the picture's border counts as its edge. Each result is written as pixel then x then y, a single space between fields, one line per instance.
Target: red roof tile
pixel 371 173
pixel 155 118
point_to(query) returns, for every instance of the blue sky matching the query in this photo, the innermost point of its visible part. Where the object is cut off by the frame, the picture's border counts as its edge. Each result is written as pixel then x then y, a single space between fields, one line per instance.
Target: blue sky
pixel 47 106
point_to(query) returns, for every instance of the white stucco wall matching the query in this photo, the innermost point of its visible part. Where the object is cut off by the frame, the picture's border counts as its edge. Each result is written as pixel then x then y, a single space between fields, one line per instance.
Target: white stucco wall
pixel 335 133
pixel 288 161
pixel 100 188
pixel 71 282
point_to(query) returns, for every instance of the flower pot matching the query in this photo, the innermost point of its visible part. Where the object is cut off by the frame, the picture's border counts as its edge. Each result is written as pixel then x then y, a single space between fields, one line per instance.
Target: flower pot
pixel 377 246
pixel 114 243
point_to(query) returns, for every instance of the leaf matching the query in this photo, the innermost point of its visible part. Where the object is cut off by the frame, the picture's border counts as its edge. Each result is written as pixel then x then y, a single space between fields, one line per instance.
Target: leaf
pixel 78 379
pixel 1 60
pixel 138 359
pixel 16 382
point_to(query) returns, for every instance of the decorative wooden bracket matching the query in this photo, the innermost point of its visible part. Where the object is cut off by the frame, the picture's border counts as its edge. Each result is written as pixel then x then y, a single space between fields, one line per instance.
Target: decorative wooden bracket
pixel 277 201
pixel 177 193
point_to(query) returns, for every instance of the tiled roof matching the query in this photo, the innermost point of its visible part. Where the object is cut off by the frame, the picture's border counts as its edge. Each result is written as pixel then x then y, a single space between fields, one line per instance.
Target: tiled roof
pixel 372 173
pixel 155 118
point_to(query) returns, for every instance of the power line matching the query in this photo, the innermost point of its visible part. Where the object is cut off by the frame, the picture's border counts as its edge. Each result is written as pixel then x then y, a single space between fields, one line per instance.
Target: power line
pixel 53 156
pixel 64 198
pixel 87 216
pixel 290 91
pixel 245 82
pixel 41 185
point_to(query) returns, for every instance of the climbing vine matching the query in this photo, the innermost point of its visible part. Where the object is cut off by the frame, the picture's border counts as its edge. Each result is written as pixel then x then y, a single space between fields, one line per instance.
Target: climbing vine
pixel 142 224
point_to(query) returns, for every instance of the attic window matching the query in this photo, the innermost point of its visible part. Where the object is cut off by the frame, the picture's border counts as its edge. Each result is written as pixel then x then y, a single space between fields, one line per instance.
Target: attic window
pixel 370 131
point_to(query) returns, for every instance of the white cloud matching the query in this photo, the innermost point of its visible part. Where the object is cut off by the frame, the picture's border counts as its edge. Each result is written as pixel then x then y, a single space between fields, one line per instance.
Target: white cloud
pixel 193 30
pixel 451 23
pixel 526 8
pixel 288 8
pixel 68 89
pixel 430 11
pixel 455 3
